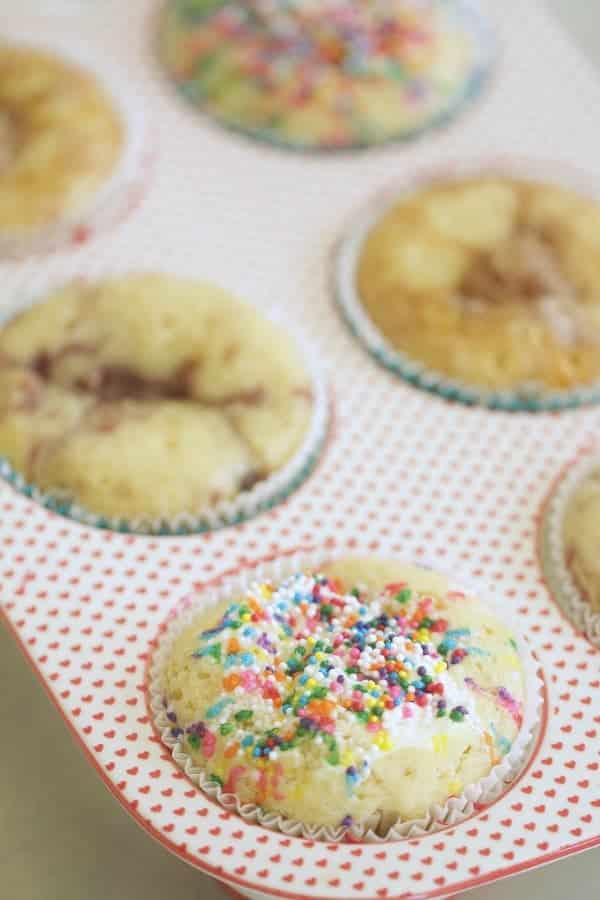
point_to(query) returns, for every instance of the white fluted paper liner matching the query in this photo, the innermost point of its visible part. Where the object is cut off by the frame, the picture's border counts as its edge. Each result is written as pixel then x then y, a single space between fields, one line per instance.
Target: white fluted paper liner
pixel 123 188
pixel 346 256
pixel 264 495
pixel 379 829
pixel 558 575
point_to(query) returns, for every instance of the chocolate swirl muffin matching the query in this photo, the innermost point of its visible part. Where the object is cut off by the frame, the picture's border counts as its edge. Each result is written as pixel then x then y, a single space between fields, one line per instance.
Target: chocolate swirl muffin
pixel 149 396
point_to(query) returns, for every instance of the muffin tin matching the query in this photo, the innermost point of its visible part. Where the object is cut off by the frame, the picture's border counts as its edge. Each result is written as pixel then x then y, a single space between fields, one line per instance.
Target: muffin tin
pixel 404 473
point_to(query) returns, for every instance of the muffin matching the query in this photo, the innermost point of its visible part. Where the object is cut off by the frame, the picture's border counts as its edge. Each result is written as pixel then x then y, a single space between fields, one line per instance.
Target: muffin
pixel 332 74
pixel 61 139
pixel 149 396
pixel 581 536
pixel 357 698
pixel 489 283
pixel 569 533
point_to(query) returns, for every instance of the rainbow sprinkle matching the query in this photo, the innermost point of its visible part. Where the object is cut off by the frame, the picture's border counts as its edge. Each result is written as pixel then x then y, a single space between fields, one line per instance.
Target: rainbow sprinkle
pixel 307 662
pixel 324 73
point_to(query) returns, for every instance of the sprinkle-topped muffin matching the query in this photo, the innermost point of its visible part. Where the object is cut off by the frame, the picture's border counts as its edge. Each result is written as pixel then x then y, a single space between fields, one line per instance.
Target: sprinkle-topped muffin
pixel 581 538
pixel 358 696
pixel 491 282
pixel 61 138
pixel 149 396
pixel 328 74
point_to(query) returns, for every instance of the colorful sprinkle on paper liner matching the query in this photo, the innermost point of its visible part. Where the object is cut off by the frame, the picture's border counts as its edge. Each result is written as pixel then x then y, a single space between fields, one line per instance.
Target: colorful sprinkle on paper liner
pixel 378 828
pixel 339 43
pixel 559 578
pixel 344 263
pixel 263 496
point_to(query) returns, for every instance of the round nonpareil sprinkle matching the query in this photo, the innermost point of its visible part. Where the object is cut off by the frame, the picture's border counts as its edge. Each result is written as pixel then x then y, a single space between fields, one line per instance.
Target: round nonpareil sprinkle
pixel 317 655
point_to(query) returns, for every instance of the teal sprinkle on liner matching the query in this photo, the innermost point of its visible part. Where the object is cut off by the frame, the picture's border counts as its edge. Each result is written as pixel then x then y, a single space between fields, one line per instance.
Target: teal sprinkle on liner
pixel 501 742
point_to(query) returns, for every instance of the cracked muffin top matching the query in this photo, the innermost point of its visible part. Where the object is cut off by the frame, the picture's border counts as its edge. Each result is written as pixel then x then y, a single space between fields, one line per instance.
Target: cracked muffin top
pixel 149 396
pixel 60 138
pixel 491 281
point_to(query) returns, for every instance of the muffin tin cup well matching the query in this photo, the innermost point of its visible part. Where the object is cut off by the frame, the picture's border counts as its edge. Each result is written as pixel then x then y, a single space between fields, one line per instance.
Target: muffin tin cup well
pixel 558 575
pixel 455 810
pixel 344 264
pixel 261 497
pixel 124 188
pixel 465 13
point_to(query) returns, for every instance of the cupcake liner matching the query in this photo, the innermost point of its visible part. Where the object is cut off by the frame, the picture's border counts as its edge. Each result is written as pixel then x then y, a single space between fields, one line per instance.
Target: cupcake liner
pixel 346 254
pixel 123 189
pixel 261 497
pixel 558 575
pixel 465 14
pixel 456 809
